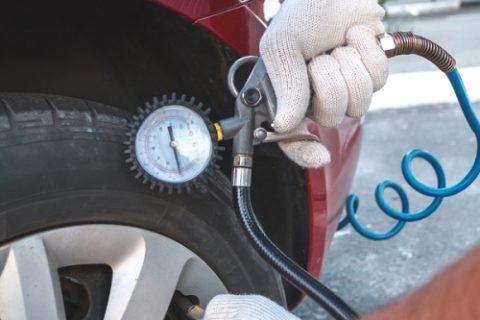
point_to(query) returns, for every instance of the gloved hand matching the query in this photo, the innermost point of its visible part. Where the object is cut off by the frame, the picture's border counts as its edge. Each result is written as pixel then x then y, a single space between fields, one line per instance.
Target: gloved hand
pixel 231 307
pixel 296 51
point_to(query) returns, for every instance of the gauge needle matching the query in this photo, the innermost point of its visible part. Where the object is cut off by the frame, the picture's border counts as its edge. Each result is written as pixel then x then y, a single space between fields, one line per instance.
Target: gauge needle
pixel 173 145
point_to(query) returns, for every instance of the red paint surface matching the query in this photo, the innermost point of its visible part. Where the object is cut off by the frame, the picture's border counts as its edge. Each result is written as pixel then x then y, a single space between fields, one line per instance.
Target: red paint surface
pixel 329 187
pixel 241 27
pixel 196 9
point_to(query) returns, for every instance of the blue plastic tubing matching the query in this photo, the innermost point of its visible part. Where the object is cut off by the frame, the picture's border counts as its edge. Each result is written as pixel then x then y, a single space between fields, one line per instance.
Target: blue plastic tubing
pixel 437 193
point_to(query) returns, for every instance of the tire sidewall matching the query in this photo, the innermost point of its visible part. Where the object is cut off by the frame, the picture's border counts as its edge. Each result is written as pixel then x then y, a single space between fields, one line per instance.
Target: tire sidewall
pixel 55 180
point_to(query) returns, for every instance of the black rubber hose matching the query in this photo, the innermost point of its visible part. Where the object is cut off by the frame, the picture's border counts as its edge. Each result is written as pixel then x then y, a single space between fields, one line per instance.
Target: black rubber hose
pixel 287 268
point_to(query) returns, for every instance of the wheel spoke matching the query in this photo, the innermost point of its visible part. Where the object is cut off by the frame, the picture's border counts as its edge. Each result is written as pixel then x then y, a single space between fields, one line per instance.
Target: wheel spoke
pixel 144 282
pixel 147 269
pixel 29 284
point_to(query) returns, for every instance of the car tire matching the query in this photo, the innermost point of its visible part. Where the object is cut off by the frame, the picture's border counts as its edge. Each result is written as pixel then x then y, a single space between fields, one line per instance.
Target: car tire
pixel 62 164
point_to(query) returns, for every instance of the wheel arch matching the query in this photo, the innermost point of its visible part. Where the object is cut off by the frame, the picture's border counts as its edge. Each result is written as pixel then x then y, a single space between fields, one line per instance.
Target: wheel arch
pixel 138 51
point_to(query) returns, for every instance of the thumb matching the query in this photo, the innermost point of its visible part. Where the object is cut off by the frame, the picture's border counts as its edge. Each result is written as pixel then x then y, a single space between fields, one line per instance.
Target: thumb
pixel 287 70
pixel 307 154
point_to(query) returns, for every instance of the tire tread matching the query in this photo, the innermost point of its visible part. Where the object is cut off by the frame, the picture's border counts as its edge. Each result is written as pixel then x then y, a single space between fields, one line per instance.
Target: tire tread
pixel 41 117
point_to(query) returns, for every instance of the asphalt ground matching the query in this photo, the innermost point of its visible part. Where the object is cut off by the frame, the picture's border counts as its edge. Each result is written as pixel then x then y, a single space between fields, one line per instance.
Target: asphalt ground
pixel 369 274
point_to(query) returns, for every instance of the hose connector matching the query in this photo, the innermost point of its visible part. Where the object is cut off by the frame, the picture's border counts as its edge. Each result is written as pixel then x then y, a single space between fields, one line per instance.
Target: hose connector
pixel 242 170
pixel 388 45
pixel 404 43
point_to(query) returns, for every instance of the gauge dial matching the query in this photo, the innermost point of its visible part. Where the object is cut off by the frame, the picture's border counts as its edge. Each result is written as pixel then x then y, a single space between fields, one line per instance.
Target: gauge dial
pixel 171 143
pixel 174 144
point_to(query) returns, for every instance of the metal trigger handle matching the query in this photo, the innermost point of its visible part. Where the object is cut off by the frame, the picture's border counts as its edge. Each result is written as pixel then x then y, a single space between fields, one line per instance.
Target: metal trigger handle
pixel 232 72
pixel 261 135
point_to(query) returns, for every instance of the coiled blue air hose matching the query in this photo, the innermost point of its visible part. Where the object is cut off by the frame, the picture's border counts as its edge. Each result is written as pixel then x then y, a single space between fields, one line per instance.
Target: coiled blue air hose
pixel 438 193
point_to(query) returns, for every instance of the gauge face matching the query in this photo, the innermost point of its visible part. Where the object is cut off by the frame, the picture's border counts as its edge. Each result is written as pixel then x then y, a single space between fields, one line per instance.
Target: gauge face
pixel 174 145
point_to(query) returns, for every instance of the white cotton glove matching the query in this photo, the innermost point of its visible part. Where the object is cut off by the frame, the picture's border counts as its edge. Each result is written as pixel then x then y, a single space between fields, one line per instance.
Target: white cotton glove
pixel 231 307
pixel 297 51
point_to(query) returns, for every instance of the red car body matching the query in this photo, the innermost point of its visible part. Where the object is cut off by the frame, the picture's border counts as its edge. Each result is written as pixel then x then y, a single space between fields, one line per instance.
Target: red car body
pixel 240 24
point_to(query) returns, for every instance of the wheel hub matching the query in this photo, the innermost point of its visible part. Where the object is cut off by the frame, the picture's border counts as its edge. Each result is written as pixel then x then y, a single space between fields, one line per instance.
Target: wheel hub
pixel 42 275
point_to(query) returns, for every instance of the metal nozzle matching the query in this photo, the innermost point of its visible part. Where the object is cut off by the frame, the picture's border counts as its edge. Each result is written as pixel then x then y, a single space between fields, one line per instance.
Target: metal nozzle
pixel 191 310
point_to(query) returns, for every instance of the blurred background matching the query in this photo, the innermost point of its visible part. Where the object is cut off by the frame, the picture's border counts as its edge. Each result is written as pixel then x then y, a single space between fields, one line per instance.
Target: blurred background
pixel 417 109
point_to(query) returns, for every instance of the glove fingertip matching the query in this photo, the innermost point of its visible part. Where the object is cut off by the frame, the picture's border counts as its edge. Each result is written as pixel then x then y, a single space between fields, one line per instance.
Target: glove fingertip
pixel 307 154
pixel 330 101
pixel 363 39
pixel 286 122
pixel 358 79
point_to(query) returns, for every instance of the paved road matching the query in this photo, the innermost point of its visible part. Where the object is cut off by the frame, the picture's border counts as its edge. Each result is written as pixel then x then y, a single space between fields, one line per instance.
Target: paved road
pixel 370 274
pixel 457 32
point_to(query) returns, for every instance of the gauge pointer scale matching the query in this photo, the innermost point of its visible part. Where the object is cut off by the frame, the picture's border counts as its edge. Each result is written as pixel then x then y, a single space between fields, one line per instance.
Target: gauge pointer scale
pixel 174 145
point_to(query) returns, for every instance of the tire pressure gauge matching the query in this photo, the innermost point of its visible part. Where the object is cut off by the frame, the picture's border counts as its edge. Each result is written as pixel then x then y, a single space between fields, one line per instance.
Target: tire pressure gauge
pixel 172 144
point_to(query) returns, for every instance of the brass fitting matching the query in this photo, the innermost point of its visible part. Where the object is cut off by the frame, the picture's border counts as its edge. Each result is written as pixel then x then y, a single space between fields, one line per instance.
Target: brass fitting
pixel 219 131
